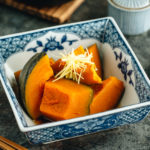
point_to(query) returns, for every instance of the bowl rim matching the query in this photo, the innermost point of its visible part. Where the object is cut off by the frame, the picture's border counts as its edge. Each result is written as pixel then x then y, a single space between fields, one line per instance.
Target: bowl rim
pixel 88 117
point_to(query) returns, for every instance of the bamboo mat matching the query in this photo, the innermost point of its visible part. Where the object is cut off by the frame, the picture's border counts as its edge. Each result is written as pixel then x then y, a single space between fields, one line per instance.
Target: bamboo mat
pixel 57 13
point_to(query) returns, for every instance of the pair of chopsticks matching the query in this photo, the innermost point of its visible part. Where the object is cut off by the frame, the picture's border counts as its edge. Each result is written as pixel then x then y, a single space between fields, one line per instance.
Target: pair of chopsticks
pixel 6 144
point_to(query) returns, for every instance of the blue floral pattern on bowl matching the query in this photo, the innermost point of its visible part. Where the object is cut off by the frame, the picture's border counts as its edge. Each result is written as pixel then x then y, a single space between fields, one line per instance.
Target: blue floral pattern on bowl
pixel 52 44
pixel 123 66
pixel 105 31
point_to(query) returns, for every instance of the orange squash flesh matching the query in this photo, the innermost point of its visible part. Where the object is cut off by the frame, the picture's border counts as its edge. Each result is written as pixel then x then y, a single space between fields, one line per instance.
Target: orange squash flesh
pixel 96 58
pixel 35 85
pixel 90 75
pixel 59 64
pixel 17 73
pixel 106 95
pixel 79 50
pixel 65 99
pixel 51 60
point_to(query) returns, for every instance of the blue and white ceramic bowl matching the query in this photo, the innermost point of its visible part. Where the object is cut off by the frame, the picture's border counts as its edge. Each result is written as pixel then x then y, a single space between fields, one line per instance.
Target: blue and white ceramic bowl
pixel 118 60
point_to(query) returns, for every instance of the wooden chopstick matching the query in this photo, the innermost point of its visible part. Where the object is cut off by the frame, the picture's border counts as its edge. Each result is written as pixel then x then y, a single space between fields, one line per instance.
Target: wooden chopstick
pixel 6 144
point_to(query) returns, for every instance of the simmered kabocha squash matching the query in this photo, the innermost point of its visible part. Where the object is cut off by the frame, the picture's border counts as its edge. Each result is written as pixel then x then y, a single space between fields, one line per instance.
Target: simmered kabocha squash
pixel 32 80
pixel 59 64
pixel 51 60
pixel 96 58
pixel 106 95
pixel 47 87
pixel 89 75
pixel 65 99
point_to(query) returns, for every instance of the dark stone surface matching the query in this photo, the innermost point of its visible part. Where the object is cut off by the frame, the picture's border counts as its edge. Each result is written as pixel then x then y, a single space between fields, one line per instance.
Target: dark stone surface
pixel 134 136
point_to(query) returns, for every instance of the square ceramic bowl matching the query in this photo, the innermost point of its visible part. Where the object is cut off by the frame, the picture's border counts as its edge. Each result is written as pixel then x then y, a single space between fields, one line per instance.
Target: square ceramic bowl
pixel 118 60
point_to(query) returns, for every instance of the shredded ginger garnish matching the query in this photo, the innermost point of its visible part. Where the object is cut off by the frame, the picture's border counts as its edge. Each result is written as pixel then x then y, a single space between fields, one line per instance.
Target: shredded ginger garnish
pixel 72 64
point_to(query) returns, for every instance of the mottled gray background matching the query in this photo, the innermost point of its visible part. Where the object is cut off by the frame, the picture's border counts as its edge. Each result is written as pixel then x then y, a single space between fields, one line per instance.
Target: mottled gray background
pixel 135 136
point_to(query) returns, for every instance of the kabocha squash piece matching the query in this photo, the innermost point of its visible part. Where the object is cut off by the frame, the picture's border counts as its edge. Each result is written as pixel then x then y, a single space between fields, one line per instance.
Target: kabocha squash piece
pixel 106 95
pixel 65 99
pixel 96 58
pixel 80 50
pixel 51 60
pixel 77 67
pixel 32 79
pixel 90 76
pixel 59 64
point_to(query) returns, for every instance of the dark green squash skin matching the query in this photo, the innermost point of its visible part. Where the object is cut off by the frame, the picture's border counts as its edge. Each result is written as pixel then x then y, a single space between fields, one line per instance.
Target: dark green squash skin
pixel 26 71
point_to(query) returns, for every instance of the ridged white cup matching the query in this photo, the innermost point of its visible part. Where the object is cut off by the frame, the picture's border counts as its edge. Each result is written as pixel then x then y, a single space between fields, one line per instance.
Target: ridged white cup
pixel 132 3
pixel 133 18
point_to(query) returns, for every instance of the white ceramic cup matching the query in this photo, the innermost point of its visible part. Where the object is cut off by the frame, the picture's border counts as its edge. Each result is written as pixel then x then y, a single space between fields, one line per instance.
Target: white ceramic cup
pixel 132 21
